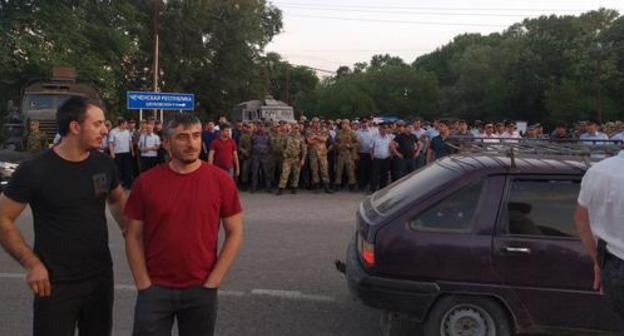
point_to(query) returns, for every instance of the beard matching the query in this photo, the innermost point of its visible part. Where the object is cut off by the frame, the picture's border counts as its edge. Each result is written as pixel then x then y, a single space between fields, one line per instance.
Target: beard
pixel 188 161
pixel 185 159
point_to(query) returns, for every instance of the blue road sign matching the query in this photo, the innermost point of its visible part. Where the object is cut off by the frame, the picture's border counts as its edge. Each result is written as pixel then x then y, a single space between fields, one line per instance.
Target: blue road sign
pixel 160 101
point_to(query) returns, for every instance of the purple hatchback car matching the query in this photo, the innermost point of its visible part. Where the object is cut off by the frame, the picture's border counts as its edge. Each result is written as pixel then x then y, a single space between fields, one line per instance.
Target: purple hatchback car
pixel 479 245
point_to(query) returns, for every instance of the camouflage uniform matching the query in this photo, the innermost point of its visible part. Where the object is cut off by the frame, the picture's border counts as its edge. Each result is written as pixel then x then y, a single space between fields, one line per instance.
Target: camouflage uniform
pixel 244 155
pixel 275 157
pixel 36 142
pixel 317 150
pixel 294 151
pixel 346 142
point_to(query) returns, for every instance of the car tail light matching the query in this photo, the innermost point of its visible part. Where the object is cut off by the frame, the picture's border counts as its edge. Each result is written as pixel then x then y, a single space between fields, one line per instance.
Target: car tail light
pixel 366 251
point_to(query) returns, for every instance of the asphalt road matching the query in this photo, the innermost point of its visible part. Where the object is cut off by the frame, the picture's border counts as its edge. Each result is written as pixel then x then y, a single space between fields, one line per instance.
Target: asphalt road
pixel 283 283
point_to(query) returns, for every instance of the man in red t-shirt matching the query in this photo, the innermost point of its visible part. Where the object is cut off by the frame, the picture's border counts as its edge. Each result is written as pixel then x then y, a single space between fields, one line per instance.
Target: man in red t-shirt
pixel 174 212
pixel 223 152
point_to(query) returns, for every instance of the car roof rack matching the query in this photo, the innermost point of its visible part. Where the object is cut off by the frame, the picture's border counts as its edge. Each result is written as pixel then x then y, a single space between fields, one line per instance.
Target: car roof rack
pixel 589 151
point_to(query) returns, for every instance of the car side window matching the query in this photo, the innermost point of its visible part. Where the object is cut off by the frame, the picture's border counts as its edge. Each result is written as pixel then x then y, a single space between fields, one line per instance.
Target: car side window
pixel 454 214
pixel 541 208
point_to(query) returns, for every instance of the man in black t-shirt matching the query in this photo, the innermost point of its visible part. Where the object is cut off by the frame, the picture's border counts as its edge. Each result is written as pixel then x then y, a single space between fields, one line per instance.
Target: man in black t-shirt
pixel 439 146
pixel 69 269
pixel 405 150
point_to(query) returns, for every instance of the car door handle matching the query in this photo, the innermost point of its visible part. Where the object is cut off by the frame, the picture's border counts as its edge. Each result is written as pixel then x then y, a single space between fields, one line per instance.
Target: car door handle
pixel 516 250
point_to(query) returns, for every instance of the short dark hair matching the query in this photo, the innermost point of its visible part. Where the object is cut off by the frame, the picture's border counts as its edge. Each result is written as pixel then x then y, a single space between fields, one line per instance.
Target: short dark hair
pixel 445 122
pixel 225 126
pixel 74 109
pixel 185 119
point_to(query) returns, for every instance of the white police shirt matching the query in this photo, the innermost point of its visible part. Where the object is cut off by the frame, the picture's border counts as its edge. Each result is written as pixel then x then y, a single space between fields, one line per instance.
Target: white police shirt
pixel 365 139
pixel 595 136
pixel 120 140
pixel 602 193
pixel 149 141
pixel 618 137
pixel 381 146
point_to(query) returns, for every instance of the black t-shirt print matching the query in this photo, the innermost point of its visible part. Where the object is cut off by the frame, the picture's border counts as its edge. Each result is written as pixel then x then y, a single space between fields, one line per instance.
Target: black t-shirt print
pixel 68 202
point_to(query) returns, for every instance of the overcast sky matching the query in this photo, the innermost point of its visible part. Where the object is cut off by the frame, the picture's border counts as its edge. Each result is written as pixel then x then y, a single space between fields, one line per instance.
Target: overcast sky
pixel 326 34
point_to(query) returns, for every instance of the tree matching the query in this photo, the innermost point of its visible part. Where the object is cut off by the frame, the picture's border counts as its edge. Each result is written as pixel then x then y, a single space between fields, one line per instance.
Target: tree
pixel 211 48
pixel 92 37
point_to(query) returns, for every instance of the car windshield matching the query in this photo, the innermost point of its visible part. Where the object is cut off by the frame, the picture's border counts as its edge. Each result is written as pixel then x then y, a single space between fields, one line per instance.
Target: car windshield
pixel 414 186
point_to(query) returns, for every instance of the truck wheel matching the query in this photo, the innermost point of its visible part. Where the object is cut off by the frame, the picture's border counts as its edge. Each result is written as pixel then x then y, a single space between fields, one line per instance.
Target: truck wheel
pixel 467 316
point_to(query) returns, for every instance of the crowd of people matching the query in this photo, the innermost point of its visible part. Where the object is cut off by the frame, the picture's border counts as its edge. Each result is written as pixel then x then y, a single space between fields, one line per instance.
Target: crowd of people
pixel 358 155
pixel 325 155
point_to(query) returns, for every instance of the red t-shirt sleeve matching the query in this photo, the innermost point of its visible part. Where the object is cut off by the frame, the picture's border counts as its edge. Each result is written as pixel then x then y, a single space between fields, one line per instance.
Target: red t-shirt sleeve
pixel 213 145
pixel 230 202
pixel 233 146
pixel 135 206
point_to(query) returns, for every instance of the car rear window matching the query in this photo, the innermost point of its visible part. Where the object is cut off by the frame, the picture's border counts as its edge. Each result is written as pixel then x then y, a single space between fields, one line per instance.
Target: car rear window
pixel 414 186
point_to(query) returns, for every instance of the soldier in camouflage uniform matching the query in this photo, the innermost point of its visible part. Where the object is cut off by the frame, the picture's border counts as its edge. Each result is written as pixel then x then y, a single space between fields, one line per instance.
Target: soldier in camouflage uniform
pixel 317 151
pixel 37 140
pixel 277 137
pixel 244 154
pixel 346 144
pixel 294 154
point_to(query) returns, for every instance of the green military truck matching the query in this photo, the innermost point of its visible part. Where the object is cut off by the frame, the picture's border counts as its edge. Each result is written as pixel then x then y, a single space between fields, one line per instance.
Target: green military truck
pixel 40 99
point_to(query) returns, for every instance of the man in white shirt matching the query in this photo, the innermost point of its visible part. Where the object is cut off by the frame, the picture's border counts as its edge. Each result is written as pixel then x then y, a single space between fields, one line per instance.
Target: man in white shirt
pixel 380 152
pixel 592 136
pixel 418 131
pixel 149 144
pixel 489 136
pixel 619 136
pixel 511 131
pixel 364 135
pixel 120 142
pixel 600 217
pixel 433 132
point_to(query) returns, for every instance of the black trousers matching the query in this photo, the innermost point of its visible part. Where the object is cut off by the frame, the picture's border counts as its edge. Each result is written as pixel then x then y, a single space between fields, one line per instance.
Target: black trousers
pixel 148 162
pixel 195 309
pixel 364 170
pixel 613 286
pixel 124 168
pixel 261 165
pixel 381 169
pixel 86 305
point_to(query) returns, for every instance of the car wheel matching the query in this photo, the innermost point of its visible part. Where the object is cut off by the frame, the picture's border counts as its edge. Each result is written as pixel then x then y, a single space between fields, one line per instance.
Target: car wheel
pixel 467 316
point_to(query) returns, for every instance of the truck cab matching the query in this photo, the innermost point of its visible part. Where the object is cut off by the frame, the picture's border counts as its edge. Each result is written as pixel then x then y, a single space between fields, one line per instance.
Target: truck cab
pixel 40 100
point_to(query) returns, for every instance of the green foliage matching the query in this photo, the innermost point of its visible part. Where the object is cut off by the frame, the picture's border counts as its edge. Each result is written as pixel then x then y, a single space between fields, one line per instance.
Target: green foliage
pixel 545 69
pixel 209 47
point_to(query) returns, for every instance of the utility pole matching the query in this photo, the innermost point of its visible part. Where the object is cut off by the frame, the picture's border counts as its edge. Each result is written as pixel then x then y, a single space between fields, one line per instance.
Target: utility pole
pixel 287 88
pixel 156 4
pixel 156 20
pixel 599 102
